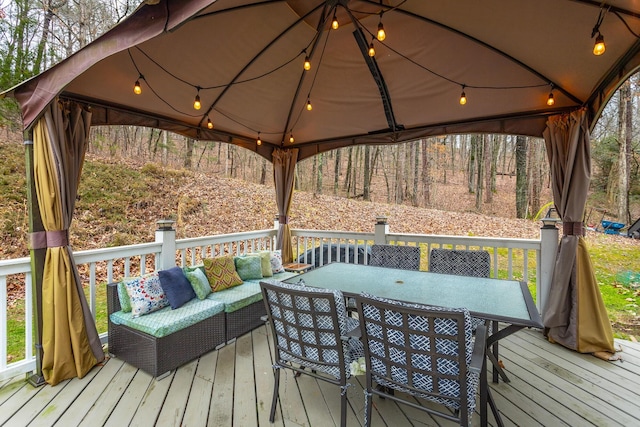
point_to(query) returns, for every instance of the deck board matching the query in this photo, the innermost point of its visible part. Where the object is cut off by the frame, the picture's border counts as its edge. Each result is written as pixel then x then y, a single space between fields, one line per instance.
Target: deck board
pixel 233 386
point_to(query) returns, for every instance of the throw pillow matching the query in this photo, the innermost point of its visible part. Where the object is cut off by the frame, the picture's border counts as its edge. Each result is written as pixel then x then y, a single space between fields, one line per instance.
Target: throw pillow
pixel 123 296
pixel 146 294
pixel 276 262
pixel 265 257
pixel 221 273
pixel 176 287
pixel 248 267
pixel 199 282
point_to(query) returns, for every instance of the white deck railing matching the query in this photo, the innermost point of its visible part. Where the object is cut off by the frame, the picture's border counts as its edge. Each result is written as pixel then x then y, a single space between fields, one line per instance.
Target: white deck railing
pixel 512 258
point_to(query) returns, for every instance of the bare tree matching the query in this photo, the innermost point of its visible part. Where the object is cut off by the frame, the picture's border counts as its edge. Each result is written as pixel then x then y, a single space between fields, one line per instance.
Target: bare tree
pixel 521 177
pixel 366 182
pixel 625 132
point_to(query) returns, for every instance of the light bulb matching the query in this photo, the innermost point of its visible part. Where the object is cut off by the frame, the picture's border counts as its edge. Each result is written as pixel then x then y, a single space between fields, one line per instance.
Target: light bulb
pixel 258 141
pixel 196 103
pixel 209 123
pixel 291 140
pixel 463 98
pixel 599 47
pixel 136 88
pixel 372 50
pixel 381 34
pixel 334 23
pixel 309 107
pixel 550 100
pixel 307 64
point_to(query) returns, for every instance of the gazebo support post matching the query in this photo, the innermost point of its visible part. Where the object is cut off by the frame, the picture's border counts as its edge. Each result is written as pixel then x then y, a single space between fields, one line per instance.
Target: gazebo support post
pixel 36 378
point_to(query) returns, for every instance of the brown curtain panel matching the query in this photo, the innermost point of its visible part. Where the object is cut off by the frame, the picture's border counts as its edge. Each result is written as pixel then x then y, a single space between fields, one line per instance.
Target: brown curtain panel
pixel 575 315
pixel 71 346
pixel 284 166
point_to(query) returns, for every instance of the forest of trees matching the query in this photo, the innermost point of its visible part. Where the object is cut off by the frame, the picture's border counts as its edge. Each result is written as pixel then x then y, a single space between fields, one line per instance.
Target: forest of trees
pixel 35 34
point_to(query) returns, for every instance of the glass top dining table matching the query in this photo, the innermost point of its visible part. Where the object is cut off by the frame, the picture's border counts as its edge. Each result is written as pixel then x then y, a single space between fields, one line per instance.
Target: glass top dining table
pixel 507 301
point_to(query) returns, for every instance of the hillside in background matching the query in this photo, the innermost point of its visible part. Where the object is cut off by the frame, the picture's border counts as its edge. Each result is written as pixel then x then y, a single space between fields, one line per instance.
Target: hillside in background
pixel 119 202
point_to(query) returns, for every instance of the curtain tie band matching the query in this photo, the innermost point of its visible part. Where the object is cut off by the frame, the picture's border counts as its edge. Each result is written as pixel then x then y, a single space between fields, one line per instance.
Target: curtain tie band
pixel 48 239
pixel 573 229
pixel 283 219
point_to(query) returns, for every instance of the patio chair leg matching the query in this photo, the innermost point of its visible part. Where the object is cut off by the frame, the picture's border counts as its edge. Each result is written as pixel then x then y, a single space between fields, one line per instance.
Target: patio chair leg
pixel 368 402
pixel 343 409
pixel 276 386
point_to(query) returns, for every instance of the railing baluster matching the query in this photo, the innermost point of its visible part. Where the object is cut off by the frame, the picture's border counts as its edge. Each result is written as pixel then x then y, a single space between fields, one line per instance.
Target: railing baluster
pixel 3 323
pixel 92 289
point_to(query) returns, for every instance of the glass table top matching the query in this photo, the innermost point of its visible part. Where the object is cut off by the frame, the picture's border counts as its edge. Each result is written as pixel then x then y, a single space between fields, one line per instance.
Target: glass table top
pixel 493 299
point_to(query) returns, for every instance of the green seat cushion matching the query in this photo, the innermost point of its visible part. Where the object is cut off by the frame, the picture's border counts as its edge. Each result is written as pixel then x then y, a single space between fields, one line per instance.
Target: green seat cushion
pixel 244 295
pixel 238 297
pixel 167 321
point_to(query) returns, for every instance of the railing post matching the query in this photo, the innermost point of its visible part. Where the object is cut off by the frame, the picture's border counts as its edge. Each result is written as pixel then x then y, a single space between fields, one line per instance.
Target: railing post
pixel 166 235
pixel 381 230
pixel 548 251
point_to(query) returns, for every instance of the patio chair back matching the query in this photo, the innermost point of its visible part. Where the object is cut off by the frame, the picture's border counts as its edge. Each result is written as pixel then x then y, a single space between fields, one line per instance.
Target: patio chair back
pixel 425 352
pixel 475 263
pixel 403 257
pixel 309 328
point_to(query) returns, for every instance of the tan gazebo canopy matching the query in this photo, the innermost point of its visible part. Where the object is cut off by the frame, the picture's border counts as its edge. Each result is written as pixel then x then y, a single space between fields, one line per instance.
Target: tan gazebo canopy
pixel 243 60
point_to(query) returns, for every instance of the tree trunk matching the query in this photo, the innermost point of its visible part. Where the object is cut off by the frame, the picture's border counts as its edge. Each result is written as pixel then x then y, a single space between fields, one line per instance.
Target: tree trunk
pixel 489 171
pixel 366 183
pixel 188 155
pixel 471 165
pixel 480 163
pixel 399 171
pixel 319 173
pixel 521 177
pixel 624 152
pixel 416 172
pixel 535 174
pixel 263 171
pixel 347 177
pixel 426 170
pixel 336 172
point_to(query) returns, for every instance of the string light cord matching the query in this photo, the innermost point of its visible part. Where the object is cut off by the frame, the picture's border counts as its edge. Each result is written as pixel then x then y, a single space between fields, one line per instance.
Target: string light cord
pixel 388 9
pixel 626 24
pixel 445 78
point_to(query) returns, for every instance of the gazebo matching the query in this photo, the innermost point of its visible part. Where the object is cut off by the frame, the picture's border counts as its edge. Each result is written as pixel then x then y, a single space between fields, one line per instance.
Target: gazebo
pixel 292 78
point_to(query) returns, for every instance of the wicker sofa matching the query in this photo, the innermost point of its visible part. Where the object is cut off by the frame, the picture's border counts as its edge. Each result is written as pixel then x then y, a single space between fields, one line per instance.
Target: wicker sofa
pixel 236 311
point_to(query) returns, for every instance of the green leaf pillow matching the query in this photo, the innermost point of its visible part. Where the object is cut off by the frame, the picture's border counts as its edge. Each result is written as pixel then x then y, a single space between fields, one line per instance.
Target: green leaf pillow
pixel 248 267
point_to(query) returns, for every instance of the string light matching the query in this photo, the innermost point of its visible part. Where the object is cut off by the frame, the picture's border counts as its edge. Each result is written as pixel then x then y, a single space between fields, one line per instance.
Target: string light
pixel 209 123
pixel 196 102
pixel 307 63
pixel 334 23
pixel 598 47
pixel 309 107
pixel 258 141
pixel 381 33
pixel 550 100
pixel 137 89
pixel 291 140
pixel 463 96
pixel 372 50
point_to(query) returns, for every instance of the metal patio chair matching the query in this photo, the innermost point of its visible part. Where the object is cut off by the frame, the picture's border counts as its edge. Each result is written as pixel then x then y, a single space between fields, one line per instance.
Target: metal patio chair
pixel 310 327
pixel 475 263
pixel 403 257
pixel 425 352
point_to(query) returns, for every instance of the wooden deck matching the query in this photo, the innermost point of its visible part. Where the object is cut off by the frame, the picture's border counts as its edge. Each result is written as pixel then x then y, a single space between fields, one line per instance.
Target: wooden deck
pixel 232 386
